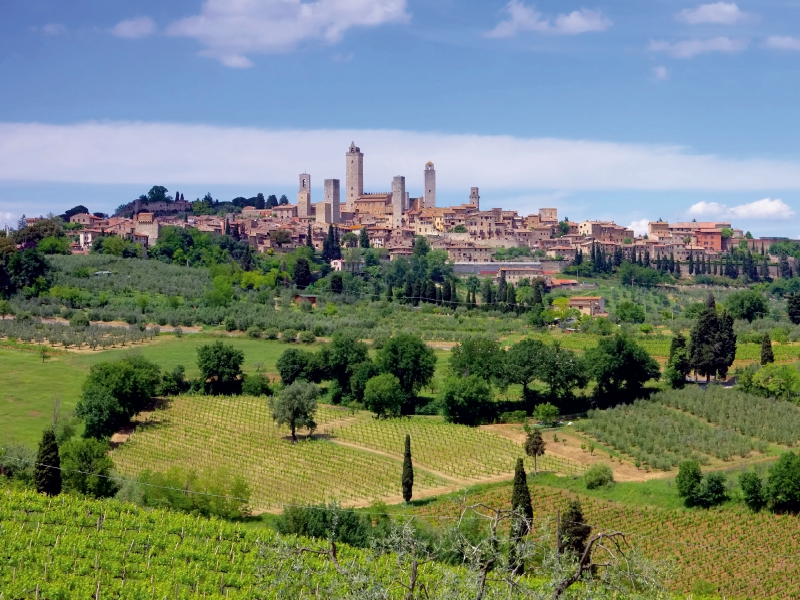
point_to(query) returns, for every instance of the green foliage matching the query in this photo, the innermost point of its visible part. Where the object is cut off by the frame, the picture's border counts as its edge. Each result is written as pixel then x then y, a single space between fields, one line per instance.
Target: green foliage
pixel 793 308
pixel 713 342
pixel 173 382
pixel 752 490
pixel 54 245
pixel 478 356
pixel 87 468
pixel 546 413
pixel 48 463
pixel 361 375
pixel 771 381
pixel 410 360
pixel 598 475
pixel 711 491
pixel 767 356
pixel 535 447
pixel 256 385
pixel 521 501
pixel 783 484
pixel 384 396
pixel 620 367
pixel 221 367
pixel 465 401
pixel 573 530
pixel 326 522
pixel 296 406
pixel 628 312
pixel 747 305
pixel 296 364
pixel 688 480
pixel 407 479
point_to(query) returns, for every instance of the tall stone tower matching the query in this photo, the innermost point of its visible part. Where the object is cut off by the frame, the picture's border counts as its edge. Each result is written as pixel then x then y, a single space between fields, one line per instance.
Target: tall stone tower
pixel 304 196
pixel 332 198
pixel 474 198
pixel 354 179
pixel 429 196
pixel 398 200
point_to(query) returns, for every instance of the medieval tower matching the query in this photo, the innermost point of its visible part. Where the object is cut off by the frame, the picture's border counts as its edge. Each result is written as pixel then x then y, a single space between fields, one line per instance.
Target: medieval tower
pixel 304 196
pixel 332 199
pixel 354 179
pixel 398 199
pixel 429 197
pixel 474 198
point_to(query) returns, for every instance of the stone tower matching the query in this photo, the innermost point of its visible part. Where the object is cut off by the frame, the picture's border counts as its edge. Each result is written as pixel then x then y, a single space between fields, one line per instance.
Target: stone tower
pixel 304 196
pixel 429 196
pixel 354 179
pixel 332 198
pixel 398 200
pixel 474 198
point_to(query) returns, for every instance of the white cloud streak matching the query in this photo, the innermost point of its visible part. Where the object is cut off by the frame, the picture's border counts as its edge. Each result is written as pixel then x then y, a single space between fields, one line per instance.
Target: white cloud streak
pixel 133 29
pixel 522 18
pixel 765 209
pixel 721 13
pixel 660 73
pixel 779 42
pixel 690 48
pixel 54 29
pixel 232 29
pixel 640 227
pixel 140 153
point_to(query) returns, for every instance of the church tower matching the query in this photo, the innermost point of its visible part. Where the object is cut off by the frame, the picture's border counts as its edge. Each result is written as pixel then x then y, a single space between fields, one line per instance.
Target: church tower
pixel 304 196
pixel 398 200
pixel 474 198
pixel 354 179
pixel 332 199
pixel 429 196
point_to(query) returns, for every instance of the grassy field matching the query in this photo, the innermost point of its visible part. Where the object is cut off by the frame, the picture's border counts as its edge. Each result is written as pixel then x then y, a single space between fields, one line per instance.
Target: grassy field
pixel 730 551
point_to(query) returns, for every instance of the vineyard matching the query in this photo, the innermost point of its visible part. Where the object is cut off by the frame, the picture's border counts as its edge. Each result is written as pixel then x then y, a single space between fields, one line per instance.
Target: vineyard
pixel 458 451
pixel 661 437
pixel 238 433
pixel 739 553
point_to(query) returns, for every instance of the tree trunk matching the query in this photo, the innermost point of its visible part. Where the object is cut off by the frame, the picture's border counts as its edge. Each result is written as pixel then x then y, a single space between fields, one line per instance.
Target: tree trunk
pixel 294 435
pixel 535 465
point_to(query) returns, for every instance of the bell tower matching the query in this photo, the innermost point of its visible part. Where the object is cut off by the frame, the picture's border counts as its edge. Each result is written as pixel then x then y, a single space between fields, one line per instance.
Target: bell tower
pixel 354 178
pixel 429 197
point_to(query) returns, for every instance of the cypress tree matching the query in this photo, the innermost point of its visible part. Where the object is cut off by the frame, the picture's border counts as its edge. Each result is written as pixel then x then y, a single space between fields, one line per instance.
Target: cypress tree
pixel 438 295
pixel 48 465
pixel 408 471
pixel 766 350
pixel 409 291
pixel 573 530
pixel 309 241
pixel 702 348
pixel 691 264
pixel 523 512
pixel 363 238
pixel 389 292
pixel 671 262
pixel 793 308
pixel 446 293
pixel 501 287
pixel 725 344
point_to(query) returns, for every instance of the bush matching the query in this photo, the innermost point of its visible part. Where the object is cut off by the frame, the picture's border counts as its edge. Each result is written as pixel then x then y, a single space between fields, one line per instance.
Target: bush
pixel 271 333
pixel 514 416
pixel 288 336
pixel 253 332
pixel 711 491
pixel 598 475
pixel 326 522
pixel 306 337
pixel 753 490
pixel 79 319
pixel 256 385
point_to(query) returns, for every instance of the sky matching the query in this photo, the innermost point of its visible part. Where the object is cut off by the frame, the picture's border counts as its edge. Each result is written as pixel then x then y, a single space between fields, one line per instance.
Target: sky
pixel 606 109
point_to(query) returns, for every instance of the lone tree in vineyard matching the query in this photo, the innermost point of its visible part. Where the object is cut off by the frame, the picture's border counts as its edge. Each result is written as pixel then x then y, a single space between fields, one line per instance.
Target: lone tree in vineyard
pixel 766 350
pixel 523 513
pixel 48 465
pixel 534 447
pixel 295 406
pixel 408 471
pixel 573 530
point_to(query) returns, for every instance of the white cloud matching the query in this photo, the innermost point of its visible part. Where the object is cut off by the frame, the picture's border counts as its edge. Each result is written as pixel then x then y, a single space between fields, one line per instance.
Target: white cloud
pixel 527 18
pixel 723 13
pixel 639 227
pixel 232 29
pixel 53 29
pixel 784 42
pixel 660 73
pixel 140 153
pixel 134 28
pixel 765 209
pixel 690 48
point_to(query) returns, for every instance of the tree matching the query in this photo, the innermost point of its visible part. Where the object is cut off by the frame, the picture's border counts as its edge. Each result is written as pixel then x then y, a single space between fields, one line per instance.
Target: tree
pixel 562 370
pixel 747 305
pixel 535 446
pixel 361 375
pixel 283 200
pixel 478 356
pixel 620 367
pixel 546 413
pixel 87 468
pixel 101 412
pixel 793 308
pixel 524 361
pixel 363 238
pixel 767 355
pixel 5 309
pixel 302 273
pixel 48 465
pixel 296 406
pixel 522 517
pixel 628 312
pixel 296 364
pixel 221 367
pixel 573 530
pixel 383 395
pixel 783 484
pixel 678 365
pixel 408 358
pixel 713 342
pixel 337 282
pixel 408 471
pixel 752 490
pixel 688 481
pixel 711 491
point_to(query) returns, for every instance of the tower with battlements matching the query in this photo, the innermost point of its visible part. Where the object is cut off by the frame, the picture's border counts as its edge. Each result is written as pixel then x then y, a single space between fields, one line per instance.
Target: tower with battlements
pixel 429 196
pixel 304 196
pixel 398 200
pixel 354 176
pixel 332 199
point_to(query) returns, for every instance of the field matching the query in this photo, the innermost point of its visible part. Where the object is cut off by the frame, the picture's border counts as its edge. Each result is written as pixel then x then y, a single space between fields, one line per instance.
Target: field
pixel 732 551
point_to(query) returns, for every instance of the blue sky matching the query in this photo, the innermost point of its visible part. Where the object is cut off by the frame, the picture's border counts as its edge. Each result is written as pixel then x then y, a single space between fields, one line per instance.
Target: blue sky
pixel 616 109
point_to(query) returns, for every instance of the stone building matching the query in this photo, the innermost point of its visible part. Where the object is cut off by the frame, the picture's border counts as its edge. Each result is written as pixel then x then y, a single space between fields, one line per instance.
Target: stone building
pixel 354 176
pixel 429 195
pixel 304 209
pixel 332 200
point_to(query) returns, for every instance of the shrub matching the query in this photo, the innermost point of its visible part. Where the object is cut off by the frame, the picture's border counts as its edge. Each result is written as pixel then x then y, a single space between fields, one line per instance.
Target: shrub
pixel 253 332
pixel 753 490
pixel 256 385
pixel 514 416
pixel 598 475
pixel 79 319
pixel 271 333
pixel 306 337
pixel 288 336
pixel 711 491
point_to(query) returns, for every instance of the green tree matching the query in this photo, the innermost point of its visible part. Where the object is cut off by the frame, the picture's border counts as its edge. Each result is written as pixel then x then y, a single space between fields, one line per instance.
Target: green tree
pixel 767 355
pixel 408 358
pixel 678 365
pixel 535 446
pixel 48 465
pixel 5 309
pixel 752 490
pixel 573 530
pixel 688 481
pixel 522 519
pixel 620 367
pixel 302 273
pixel 465 400
pixel 524 363
pixel 747 305
pixel 546 413
pixel 479 356
pixel 775 381
pixel 87 468
pixel 221 367
pixel 101 412
pixel 363 238
pixel 408 471
pixel 562 370
pixel 783 484
pixel 598 475
pixel 628 312
pixel 711 491
pixel 343 355
pixel 295 364
pixel 383 395
pixel 296 406
pixel 793 308
pixel 713 342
